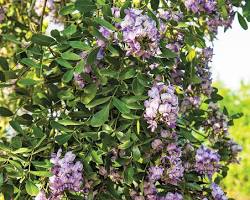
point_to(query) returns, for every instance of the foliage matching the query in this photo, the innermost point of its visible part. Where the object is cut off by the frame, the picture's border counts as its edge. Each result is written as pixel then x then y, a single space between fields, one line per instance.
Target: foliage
pixel 113 100
pixel 238 102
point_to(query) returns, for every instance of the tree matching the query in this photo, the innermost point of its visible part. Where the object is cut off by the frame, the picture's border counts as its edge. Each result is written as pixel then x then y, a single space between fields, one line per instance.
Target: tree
pixel 113 100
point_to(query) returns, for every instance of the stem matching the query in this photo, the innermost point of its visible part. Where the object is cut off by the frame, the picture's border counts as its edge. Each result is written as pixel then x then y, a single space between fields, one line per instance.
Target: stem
pixel 41 20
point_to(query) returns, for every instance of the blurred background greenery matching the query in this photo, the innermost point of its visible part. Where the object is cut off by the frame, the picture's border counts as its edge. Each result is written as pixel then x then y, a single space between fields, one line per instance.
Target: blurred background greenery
pixel 237 183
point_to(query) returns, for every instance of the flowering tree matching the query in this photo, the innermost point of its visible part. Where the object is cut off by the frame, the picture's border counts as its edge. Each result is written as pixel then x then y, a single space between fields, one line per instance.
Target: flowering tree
pixel 113 100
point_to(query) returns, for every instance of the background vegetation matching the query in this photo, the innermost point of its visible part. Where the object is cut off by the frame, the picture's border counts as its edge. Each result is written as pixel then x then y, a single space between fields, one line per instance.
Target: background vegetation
pixel 238 181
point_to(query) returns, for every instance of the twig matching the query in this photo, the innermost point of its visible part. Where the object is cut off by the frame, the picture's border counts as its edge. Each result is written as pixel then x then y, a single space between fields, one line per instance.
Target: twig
pixel 41 20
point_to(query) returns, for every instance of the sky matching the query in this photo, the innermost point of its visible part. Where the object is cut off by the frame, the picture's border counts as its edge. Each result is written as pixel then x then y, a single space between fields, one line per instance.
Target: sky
pixel 231 62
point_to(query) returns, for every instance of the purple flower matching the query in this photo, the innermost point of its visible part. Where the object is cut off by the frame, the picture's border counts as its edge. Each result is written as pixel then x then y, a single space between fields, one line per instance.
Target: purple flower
pixel 201 5
pixel 207 161
pixel 79 80
pixel 157 144
pixel 116 12
pixel 170 15
pixel 41 196
pixel 140 34
pixel 106 33
pixel 162 106
pixel 155 173
pixel 2 14
pixel 171 196
pixel 218 193
pixel 217 121
pixel 173 169
pixel 67 174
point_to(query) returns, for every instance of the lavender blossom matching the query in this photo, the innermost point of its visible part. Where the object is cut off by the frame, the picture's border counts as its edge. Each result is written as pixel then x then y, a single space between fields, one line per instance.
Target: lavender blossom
pixel 170 15
pixel 217 121
pixel 190 102
pixel 157 144
pixel 67 174
pixel 171 135
pixel 155 173
pixel 162 106
pixel 234 149
pixel 197 6
pixel 106 33
pixel 174 170
pixel 171 196
pixel 207 161
pixel 175 47
pixel 140 34
pixel 41 196
pixel 79 80
pixel 2 14
pixel 218 193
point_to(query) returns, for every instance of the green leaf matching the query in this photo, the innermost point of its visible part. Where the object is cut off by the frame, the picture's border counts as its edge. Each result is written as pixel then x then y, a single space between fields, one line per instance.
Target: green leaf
pixel 129 175
pixel 62 139
pixel 92 55
pixel 100 117
pixel 16 126
pixel 64 63
pixel 79 45
pixel 167 53
pixel 137 87
pixel 89 93
pixel 191 55
pixel 41 173
pixel 5 112
pixel 136 153
pixel 242 21
pixel 69 122
pixel 130 116
pixel 4 64
pixel 59 127
pixel 97 102
pixel 154 4
pixel 29 63
pixel 105 23
pixel 42 40
pixel 1 179
pixel 31 188
pixel 70 30
pixel 97 157
pixel 120 105
pixel 127 73
pixel 27 82
pixel 66 10
pixel 125 145
pixel 22 150
pixel 67 77
pixel 85 6
pixel 70 56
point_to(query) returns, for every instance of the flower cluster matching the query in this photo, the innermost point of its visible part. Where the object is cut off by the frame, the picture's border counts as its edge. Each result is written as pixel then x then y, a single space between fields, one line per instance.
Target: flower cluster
pixel 217 120
pixel 162 106
pixel 218 193
pixel 2 14
pixel 173 164
pixel 155 173
pixel 235 149
pixel 197 6
pixel 67 175
pixel 140 34
pixel 170 15
pixel 207 161
pixel 171 196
